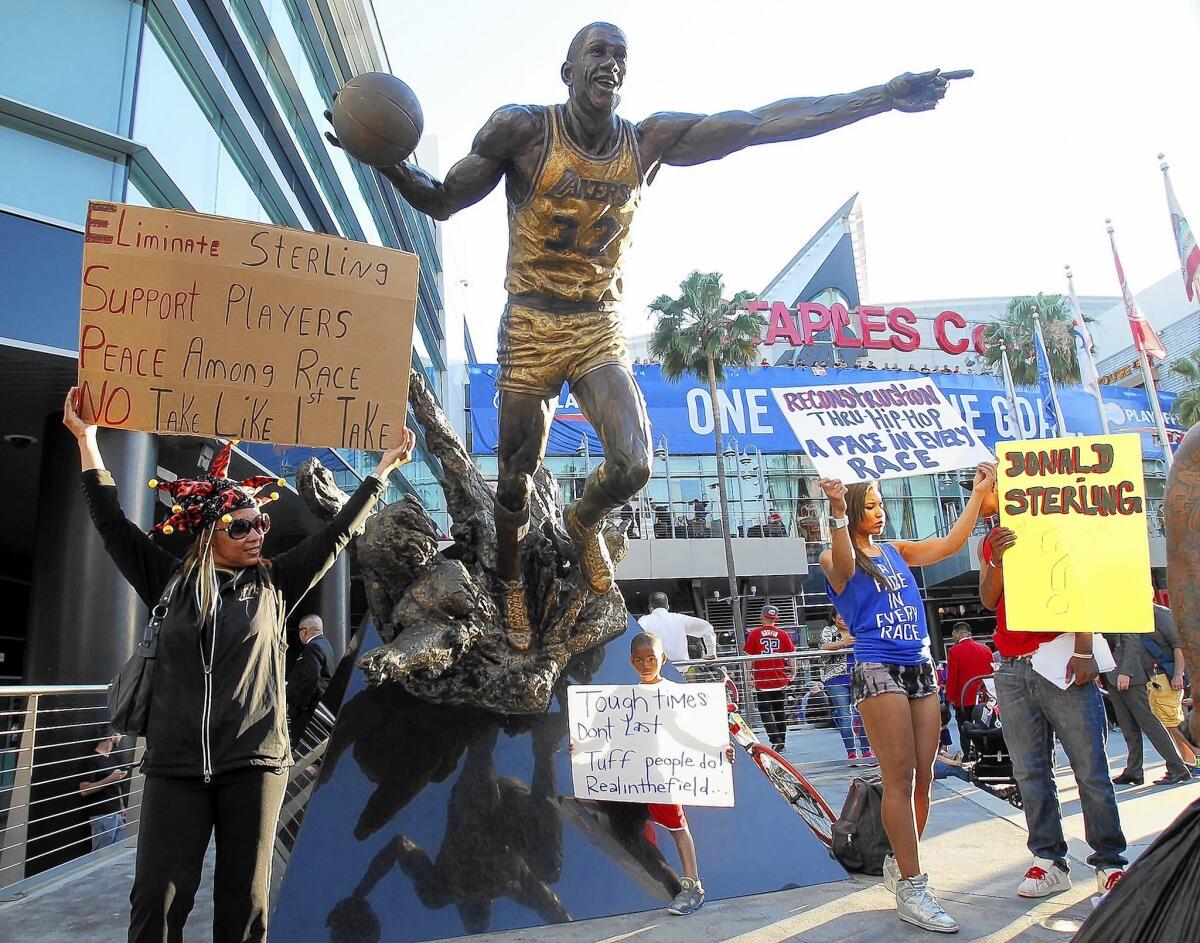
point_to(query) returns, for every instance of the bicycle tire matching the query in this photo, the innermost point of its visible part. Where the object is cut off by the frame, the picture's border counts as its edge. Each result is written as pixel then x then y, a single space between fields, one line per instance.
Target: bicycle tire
pixel 800 794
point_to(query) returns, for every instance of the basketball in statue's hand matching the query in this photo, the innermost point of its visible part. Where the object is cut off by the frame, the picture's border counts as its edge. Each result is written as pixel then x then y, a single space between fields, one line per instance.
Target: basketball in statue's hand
pixel 377 119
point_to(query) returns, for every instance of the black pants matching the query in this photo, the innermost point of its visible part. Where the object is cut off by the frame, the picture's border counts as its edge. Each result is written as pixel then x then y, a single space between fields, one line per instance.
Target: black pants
pixel 772 709
pixel 1135 718
pixel 962 713
pixel 177 819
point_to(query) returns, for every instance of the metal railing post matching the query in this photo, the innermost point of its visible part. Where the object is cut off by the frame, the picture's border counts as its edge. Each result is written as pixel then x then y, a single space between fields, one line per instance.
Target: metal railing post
pixel 12 843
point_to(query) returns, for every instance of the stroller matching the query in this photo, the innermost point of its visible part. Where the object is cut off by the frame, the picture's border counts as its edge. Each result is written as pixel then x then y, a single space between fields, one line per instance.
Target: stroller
pixel 986 757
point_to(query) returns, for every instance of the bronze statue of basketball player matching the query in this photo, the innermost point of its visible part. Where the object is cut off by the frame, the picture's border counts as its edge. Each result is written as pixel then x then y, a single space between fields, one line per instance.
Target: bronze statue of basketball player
pixel 573 175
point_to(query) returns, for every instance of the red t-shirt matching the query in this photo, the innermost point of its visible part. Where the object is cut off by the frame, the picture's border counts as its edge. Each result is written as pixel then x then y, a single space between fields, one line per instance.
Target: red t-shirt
pixel 966 660
pixel 770 674
pixel 1011 644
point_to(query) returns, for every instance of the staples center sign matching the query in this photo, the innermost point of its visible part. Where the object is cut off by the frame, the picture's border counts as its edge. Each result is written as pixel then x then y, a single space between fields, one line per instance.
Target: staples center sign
pixel 876 328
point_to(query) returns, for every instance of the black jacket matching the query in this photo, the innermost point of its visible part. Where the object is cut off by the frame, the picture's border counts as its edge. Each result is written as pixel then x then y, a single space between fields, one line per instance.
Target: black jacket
pixel 204 724
pixel 308 679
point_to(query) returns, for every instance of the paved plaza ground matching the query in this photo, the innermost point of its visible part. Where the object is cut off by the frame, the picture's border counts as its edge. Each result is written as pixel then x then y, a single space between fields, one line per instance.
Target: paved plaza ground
pixel 974 852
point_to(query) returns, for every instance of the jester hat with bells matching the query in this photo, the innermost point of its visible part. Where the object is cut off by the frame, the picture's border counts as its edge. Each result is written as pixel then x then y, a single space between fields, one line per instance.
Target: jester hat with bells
pixel 200 502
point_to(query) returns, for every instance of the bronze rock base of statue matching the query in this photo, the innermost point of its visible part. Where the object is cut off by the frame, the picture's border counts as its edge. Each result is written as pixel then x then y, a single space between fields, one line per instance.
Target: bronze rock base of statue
pixel 436 610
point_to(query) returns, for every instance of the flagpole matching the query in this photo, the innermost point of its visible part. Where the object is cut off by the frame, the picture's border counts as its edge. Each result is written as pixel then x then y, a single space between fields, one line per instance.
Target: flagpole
pixel 1086 354
pixel 1160 422
pixel 1058 413
pixel 1185 241
pixel 1010 393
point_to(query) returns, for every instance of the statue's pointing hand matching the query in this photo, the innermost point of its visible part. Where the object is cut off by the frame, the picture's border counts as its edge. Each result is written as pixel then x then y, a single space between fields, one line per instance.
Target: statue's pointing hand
pixel 921 91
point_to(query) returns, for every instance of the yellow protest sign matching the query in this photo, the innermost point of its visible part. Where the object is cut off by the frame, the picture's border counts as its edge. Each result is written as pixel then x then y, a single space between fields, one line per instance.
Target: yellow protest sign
pixel 1081 562
pixel 199 325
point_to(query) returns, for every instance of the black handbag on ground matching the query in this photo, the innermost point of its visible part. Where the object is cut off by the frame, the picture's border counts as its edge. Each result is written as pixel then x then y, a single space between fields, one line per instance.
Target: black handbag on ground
pixel 859 841
pixel 129 692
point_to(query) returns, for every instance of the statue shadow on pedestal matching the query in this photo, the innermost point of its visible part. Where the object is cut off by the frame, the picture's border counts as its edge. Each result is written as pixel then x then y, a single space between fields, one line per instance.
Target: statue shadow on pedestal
pixel 432 821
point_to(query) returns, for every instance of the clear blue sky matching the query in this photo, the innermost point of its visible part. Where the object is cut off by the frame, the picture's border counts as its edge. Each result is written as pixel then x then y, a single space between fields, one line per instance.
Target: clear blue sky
pixel 990 194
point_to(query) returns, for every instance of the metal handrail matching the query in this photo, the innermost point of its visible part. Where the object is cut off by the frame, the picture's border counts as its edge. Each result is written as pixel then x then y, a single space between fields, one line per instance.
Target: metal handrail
pixel 44 820
pixel 31 690
pixel 801 654
pixel 40 801
pixel 739 671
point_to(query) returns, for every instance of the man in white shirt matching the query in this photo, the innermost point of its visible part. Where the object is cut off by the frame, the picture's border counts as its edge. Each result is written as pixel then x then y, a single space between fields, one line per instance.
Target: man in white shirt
pixel 675 627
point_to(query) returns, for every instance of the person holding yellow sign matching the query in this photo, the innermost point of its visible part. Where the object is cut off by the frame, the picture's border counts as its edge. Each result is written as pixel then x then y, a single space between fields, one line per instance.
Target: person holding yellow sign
pixel 1036 711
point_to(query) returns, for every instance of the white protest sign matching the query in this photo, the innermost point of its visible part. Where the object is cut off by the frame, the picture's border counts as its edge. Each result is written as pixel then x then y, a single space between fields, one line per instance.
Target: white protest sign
pixel 662 743
pixel 868 431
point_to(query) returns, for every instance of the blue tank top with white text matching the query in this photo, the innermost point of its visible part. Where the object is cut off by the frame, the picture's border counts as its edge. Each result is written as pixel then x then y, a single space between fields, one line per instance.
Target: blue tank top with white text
pixel 888 624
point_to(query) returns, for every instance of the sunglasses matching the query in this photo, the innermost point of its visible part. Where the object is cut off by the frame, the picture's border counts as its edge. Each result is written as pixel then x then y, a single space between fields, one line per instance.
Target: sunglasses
pixel 239 528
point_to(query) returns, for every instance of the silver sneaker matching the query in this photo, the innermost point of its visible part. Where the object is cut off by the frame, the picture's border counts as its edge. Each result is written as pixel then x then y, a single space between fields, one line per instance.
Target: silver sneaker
pixel 689 899
pixel 891 872
pixel 916 905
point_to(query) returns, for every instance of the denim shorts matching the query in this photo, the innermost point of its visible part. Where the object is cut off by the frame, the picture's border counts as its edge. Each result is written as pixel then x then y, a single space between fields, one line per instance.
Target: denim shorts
pixel 871 679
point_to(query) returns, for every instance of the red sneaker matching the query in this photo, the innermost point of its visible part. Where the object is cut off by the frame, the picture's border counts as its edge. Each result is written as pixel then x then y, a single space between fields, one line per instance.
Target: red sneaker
pixel 869 757
pixel 852 757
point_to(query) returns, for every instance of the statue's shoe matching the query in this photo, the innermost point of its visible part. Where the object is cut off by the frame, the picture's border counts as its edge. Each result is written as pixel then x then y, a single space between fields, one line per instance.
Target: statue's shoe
pixel 517 627
pixel 592 552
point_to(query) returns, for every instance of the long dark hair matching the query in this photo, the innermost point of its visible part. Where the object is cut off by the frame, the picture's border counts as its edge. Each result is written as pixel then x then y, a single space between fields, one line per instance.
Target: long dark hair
pixel 856 499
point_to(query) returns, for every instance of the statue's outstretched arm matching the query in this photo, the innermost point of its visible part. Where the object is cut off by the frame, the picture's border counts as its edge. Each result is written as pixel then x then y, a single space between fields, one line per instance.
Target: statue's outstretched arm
pixel 683 139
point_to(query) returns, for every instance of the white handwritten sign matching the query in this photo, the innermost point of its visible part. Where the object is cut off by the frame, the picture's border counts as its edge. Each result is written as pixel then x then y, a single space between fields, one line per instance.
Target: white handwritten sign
pixel 662 743
pixel 869 431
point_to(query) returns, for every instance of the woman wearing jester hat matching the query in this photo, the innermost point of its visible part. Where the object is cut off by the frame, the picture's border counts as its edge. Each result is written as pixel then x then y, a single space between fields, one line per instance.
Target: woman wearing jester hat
pixel 217 744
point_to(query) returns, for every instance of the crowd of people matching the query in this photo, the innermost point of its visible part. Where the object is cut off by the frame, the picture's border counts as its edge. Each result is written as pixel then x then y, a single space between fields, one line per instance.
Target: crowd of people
pixel 883 690
pixel 223 771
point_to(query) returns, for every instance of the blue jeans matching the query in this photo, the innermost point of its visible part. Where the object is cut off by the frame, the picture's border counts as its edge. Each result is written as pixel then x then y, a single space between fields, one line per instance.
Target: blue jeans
pixel 946 770
pixel 107 830
pixel 1033 712
pixel 845 718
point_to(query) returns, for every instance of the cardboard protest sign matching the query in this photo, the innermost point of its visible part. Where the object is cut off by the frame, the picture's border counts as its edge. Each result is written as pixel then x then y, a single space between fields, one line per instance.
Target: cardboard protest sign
pixel 660 742
pixel 198 325
pixel 1081 562
pixel 870 431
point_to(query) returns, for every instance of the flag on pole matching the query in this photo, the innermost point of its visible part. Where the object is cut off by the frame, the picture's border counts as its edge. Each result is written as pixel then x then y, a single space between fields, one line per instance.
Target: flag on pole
pixel 1144 338
pixel 1048 398
pixel 1010 392
pixel 1088 373
pixel 1185 240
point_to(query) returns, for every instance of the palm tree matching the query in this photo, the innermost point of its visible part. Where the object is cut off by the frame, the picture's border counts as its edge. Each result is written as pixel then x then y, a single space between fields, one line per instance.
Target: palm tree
pixel 1016 332
pixel 1187 407
pixel 700 333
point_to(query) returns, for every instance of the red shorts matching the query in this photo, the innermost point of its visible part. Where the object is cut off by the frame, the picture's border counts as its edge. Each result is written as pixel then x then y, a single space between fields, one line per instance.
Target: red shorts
pixel 668 816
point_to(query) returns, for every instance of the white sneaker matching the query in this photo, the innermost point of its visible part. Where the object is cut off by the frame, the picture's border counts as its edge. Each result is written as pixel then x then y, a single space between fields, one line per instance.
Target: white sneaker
pixel 891 872
pixel 1106 880
pixel 915 904
pixel 1044 878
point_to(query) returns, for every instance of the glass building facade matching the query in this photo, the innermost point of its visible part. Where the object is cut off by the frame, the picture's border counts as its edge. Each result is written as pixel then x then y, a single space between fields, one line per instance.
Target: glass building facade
pixel 215 106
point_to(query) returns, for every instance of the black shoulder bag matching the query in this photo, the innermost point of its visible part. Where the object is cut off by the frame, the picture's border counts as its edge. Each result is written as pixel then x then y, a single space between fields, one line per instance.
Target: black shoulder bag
pixel 859 841
pixel 129 692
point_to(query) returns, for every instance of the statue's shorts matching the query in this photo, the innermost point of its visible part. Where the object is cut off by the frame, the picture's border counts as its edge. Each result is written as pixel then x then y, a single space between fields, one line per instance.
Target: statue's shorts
pixel 539 351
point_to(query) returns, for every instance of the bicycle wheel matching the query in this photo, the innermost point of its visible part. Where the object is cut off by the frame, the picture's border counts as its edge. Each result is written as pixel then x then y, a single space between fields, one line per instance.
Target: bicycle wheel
pixel 798 791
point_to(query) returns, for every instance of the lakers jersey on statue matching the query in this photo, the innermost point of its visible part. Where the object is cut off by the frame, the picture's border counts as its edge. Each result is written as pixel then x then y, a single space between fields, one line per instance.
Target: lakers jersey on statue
pixel 567 239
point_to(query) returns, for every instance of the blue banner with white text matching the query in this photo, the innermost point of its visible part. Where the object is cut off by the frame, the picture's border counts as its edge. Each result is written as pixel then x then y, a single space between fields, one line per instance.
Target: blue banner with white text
pixel 682 413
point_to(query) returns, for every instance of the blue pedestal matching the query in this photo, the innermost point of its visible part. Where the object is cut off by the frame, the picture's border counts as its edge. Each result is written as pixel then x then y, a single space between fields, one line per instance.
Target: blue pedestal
pixel 431 822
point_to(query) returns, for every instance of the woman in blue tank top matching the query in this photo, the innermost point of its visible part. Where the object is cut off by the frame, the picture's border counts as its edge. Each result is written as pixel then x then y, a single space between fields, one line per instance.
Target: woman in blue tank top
pixel 873 588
